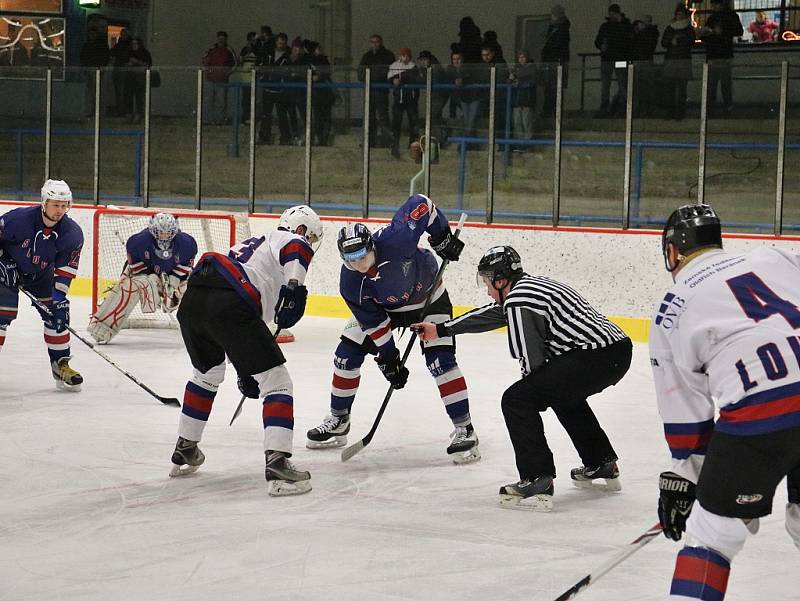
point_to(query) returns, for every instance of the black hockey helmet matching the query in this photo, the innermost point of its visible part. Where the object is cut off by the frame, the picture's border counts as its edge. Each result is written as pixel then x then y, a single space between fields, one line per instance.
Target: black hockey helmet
pixel 500 262
pixel 354 242
pixel 689 228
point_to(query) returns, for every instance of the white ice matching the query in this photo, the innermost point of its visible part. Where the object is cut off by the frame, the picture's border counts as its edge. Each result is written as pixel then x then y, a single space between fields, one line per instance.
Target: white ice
pixel 87 511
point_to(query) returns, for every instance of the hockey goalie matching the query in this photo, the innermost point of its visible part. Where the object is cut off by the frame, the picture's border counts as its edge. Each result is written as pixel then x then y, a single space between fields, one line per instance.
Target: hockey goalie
pixel 159 261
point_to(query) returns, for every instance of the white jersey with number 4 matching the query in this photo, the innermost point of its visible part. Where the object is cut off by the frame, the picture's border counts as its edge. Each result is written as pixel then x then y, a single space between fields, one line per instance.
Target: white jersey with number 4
pixel 728 332
pixel 270 261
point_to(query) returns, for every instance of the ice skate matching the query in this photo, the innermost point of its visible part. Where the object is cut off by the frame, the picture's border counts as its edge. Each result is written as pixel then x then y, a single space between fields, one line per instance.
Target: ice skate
pixel 464 445
pixel 282 477
pixel 530 495
pixel 186 458
pixel 331 433
pixel 604 477
pixel 66 378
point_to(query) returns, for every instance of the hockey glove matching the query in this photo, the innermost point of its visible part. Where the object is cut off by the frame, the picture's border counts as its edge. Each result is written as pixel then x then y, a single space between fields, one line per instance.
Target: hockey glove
pixel 674 504
pixel 392 369
pixel 447 246
pixel 60 312
pixel 291 304
pixel 248 386
pixel 9 276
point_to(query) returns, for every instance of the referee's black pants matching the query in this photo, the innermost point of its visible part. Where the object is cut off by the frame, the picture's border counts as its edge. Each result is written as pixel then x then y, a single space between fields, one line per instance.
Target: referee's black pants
pixel 564 383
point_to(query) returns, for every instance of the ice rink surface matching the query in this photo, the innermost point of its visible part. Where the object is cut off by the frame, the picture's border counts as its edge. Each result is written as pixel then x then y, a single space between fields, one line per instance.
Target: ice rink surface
pixel 88 513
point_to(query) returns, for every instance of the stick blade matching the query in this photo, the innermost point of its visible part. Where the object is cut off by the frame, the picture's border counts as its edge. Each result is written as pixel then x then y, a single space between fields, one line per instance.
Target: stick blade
pixel 352 450
pixel 171 401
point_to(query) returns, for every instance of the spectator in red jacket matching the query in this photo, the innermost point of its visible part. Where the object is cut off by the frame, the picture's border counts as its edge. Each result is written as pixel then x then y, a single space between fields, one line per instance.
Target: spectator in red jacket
pixel 763 28
pixel 219 61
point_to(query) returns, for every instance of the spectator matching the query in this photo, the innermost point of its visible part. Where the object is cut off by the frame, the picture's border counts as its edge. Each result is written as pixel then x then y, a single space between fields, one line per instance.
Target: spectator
pixel 469 41
pixel 378 59
pixel 322 98
pixel 248 60
pixel 468 98
pixel 613 40
pixel 219 61
pixel 678 39
pixel 763 28
pixel 721 27
pixel 439 95
pixel 644 40
pixel 272 96
pixel 490 40
pixel 120 55
pixel 94 55
pixel 139 61
pixel 404 98
pixel 554 52
pixel 265 43
pixel 296 68
pixel 483 76
pixel 523 77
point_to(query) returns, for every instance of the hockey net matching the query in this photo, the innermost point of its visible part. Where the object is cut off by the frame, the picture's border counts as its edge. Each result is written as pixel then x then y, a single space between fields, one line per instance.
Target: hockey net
pixel 213 231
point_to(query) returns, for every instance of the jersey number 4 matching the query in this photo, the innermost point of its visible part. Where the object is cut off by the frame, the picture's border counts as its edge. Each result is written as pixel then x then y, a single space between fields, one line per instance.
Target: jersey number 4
pixel 245 249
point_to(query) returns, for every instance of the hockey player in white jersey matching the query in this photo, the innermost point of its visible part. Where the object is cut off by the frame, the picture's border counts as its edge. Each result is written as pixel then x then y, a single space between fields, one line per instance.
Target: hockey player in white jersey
pixel 727 331
pixel 228 303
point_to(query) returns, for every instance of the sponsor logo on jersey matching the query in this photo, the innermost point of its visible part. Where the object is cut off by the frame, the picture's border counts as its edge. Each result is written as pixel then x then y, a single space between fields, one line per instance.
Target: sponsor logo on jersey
pixel 420 211
pixel 670 311
pixel 748 499
pixel 654 362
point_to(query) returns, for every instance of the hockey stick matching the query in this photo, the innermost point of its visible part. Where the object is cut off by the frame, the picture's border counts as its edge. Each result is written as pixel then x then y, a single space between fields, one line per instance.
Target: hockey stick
pixel 238 411
pixel 166 400
pixel 356 447
pixel 612 562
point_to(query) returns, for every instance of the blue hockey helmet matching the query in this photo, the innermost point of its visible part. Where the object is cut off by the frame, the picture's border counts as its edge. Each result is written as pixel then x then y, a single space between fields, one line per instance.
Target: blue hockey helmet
pixel 354 243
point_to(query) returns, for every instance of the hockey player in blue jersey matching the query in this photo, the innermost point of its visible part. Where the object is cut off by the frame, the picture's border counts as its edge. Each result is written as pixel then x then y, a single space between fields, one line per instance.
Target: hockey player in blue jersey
pixel 160 259
pixel 385 280
pixel 40 248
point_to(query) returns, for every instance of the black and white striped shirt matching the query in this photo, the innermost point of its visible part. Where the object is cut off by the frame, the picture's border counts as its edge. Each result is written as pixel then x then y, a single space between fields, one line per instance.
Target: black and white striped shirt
pixel 545 319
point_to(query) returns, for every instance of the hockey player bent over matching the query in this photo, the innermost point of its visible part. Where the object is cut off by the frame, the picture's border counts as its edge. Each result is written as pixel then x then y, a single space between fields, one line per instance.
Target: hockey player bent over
pixel 228 303
pixel 727 331
pixel 567 351
pixel 40 248
pixel 160 258
pixel 385 280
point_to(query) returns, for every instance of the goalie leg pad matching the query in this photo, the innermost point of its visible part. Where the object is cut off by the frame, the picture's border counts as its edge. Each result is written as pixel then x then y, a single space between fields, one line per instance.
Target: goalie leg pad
pixel 113 312
pixel 149 288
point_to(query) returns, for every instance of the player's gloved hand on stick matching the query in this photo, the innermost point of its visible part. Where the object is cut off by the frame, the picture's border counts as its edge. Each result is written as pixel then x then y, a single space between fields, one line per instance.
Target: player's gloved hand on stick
pixel 9 275
pixel 392 370
pixel 248 386
pixel 674 504
pixel 447 246
pixel 60 312
pixel 291 304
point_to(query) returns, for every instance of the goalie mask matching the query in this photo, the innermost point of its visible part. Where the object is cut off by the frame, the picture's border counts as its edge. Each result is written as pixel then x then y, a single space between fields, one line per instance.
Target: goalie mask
pixel 690 228
pixel 303 216
pixel 164 228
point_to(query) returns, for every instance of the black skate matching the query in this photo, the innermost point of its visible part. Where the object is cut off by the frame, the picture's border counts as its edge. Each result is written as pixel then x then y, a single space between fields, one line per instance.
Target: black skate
pixel 464 445
pixel 186 458
pixel 530 495
pixel 282 478
pixel 330 433
pixel 603 477
pixel 66 378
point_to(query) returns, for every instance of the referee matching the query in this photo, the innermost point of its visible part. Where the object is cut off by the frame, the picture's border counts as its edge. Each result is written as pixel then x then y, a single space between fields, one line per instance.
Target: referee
pixel 567 352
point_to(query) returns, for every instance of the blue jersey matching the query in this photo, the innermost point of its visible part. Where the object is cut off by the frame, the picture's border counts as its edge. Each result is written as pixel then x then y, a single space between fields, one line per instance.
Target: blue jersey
pixel 403 273
pixel 36 248
pixel 144 257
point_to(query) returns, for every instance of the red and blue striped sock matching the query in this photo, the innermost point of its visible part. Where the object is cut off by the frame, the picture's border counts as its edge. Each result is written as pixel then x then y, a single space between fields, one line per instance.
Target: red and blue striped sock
pixel 700 573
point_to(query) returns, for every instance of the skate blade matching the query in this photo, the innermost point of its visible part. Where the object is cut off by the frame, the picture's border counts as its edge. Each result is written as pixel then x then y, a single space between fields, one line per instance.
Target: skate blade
pixel 470 456
pixel 284 488
pixel 331 443
pixel 176 471
pixel 61 385
pixel 543 503
pixel 610 485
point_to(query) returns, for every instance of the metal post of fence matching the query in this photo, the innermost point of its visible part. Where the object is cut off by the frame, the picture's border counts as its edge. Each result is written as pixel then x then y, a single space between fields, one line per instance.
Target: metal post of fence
pixel 462 174
pixel 96 155
pixel 583 80
pixel 20 172
pixel 626 185
pixel 48 121
pixel 146 158
pixel 365 142
pixel 701 169
pixel 779 178
pixel 429 148
pixel 557 143
pixel 490 147
pixel 309 117
pixel 251 176
pixel 198 149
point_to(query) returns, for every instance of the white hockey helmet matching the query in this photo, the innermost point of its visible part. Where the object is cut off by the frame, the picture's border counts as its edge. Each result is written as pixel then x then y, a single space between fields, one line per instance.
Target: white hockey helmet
pixel 57 190
pixel 293 218
pixel 164 228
